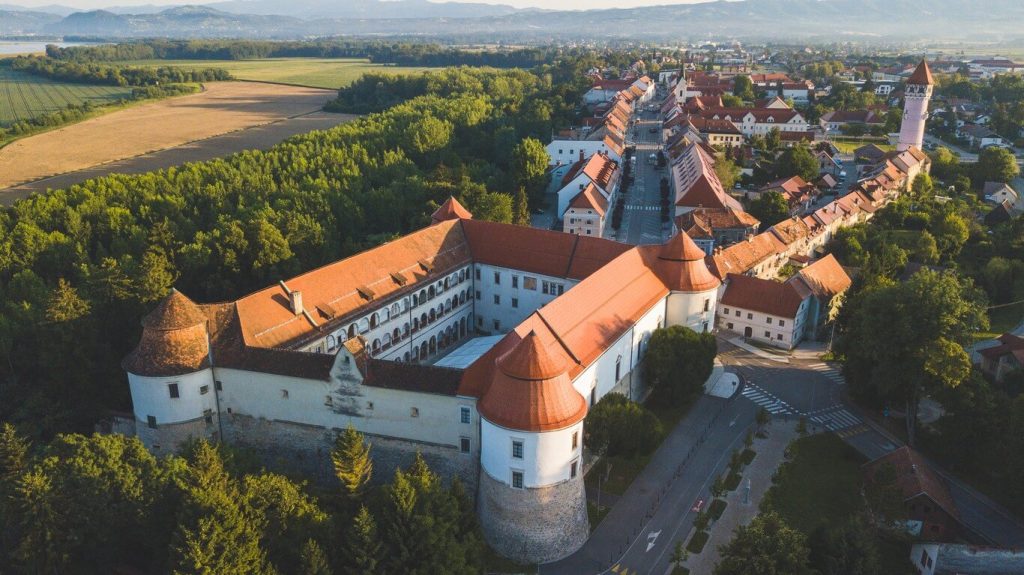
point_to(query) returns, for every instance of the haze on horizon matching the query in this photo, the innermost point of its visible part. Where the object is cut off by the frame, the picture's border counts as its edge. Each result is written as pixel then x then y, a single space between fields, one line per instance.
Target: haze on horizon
pixel 548 4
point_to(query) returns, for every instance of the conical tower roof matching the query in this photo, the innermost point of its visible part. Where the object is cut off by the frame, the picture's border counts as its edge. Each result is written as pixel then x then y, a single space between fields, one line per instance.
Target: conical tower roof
pixel 682 268
pixel 531 390
pixel 174 312
pixel 451 209
pixel 174 340
pixel 922 75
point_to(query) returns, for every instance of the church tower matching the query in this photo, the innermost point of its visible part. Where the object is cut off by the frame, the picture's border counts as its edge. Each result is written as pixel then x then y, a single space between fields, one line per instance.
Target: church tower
pixel 915 107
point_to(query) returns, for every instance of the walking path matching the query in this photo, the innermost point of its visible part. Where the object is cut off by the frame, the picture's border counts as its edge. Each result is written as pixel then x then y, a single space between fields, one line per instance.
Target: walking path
pixel 740 343
pixel 771 451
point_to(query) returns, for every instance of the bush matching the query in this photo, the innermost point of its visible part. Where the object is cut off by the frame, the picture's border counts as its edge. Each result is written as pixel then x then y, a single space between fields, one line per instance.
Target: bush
pixel 618 426
pixel 748 456
pixel 733 481
pixel 717 509
pixel 697 542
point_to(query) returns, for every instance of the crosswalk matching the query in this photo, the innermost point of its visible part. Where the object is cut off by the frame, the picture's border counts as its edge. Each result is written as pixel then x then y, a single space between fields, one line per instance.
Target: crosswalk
pixel 771 403
pixel 835 418
pixel 829 371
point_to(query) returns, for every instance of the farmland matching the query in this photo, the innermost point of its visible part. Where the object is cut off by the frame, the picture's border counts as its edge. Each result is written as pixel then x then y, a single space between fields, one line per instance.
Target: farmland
pixel 24 96
pixel 331 73
pixel 223 108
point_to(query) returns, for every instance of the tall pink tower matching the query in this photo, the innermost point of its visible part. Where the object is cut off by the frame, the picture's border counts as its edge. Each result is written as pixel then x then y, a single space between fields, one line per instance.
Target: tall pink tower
pixel 915 107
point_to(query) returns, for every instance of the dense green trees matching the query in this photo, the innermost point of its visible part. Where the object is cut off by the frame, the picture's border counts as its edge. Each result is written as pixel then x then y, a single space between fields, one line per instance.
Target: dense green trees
pixel 92 73
pixel 221 228
pixel 995 165
pixel 619 426
pixel 352 463
pixel 678 362
pixel 767 546
pixel 770 208
pixel 796 161
pixel 99 504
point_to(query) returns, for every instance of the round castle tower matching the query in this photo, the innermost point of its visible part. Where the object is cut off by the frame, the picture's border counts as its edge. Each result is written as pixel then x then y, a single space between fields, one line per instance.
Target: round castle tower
pixel 694 289
pixel 532 503
pixel 170 376
pixel 915 107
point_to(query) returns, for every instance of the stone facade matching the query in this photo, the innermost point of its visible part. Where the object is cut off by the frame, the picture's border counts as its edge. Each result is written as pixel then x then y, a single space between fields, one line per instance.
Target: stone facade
pixel 289 447
pixel 167 438
pixel 534 525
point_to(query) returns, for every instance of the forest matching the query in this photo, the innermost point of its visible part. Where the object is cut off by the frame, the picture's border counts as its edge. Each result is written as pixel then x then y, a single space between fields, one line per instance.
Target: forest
pixel 80 266
pixel 92 73
pixel 85 505
pixel 400 53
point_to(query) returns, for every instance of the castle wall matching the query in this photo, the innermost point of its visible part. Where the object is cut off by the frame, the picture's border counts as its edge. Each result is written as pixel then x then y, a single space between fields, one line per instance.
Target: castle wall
pixel 547 457
pixel 533 525
pixel 528 299
pixel 151 397
pixel 166 439
pixel 693 310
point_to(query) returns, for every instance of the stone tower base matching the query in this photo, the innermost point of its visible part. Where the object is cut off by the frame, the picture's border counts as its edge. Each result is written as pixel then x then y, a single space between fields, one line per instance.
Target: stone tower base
pixel 533 525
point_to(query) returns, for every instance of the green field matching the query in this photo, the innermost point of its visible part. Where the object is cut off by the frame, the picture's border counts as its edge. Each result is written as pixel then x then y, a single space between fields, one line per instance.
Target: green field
pixel 314 72
pixel 23 96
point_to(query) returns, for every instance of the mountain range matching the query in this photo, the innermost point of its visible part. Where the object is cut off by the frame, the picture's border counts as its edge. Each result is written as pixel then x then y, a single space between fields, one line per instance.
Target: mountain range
pixel 821 20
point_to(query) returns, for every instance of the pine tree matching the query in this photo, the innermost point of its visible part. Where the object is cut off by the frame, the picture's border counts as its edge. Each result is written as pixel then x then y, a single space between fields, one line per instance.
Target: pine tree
pixel 362 549
pixel 312 560
pixel 65 304
pixel 522 209
pixel 13 464
pixel 352 463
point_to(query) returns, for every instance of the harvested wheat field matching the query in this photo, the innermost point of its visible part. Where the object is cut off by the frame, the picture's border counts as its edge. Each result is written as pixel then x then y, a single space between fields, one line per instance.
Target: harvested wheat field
pixel 221 108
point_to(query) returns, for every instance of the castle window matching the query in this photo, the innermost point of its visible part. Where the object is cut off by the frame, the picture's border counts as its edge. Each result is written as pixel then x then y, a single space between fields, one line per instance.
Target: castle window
pixel 750 316
pixel 464 444
pixel 618 367
pixel 414 412
pixel 575 439
pixel 529 283
pixel 779 337
pixel 477 294
pixel 204 389
pixel 572 469
pixel 369 405
pixel 218 385
pixel 151 421
pixel 515 302
pixel 768 334
pixel 737 313
pixel 497 278
pixel 329 401
pixel 782 323
pixel 477 273
pixel 728 325
pixel 208 416
pixel 515 282
pixel 464 414
pixel 517 449
pixel 497 299
pixel 707 304
pixel 284 394
pixel 769 321
pixel 517 479
pixel 497 325
pixel 172 389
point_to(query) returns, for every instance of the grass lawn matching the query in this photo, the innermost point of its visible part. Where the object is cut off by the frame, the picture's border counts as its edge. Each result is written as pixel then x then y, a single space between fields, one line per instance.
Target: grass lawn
pixel 314 72
pixel 747 456
pixel 732 481
pixel 820 485
pixel 596 514
pixel 1001 320
pixel 848 146
pixel 697 542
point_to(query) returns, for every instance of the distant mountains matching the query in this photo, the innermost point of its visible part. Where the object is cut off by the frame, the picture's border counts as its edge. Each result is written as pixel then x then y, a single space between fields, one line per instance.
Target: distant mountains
pixel 822 20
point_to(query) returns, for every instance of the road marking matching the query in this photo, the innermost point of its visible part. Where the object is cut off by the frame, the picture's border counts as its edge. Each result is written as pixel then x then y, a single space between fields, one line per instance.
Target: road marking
pixel 836 419
pixel 764 399
pixel 651 539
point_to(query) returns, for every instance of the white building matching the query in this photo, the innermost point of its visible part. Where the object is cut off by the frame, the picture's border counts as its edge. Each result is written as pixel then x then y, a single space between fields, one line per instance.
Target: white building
pixel 386 341
pixel 598 170
pixel 568 151
pixel 759 121
pixel 915 107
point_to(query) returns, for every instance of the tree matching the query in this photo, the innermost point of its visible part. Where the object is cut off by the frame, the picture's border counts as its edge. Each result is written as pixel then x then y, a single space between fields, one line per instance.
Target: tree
pixel 764 417
pixel 773 140
pixel 312 560
pixel 727 171
pixel 290 518
pixel 679 362
pixel 522 208
pixel 65 304
pixel 767 546
pixel 945 164
pixel 797 161
pixel 216 530
pixel 352 463
pixel 927 321
pixel 743 87
pixel 13 464
pixel 770 208
pixel 995 165
pixel 618 426
pixel 922 187
pixel 530 167
pixel 362 547
pixel 730 101
pixel 847 549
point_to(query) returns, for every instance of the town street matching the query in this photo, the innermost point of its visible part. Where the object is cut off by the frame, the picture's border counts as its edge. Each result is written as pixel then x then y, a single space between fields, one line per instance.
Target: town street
pixel 641 220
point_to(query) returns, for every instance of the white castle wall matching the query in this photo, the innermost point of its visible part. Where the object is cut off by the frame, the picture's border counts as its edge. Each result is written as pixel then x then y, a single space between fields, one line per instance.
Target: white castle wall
pixel 693 310
pixel 529 300
pixel 547 457
pixel 151 397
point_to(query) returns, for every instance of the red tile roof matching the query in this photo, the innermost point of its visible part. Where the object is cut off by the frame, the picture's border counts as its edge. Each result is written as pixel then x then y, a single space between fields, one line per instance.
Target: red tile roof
pixel 682 266
pixel 742 257
pixel 451 209
pixel 922 75
pixel 825 277
pixel 174 340
pixel 590 199
pixel 697 185
pixel 765 296
pixel 914 476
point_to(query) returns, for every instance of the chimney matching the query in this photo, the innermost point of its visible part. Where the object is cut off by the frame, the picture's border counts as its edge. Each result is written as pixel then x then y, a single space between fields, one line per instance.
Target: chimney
pixel 295 300
pixel 581 154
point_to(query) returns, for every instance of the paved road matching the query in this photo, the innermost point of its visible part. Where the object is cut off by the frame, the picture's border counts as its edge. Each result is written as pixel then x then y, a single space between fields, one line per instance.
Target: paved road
pixel 639 533
pixel 641 220
pixel 255 138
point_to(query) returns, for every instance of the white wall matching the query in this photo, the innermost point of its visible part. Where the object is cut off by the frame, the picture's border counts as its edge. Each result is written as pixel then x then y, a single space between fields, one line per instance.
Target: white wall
pixel 791 331
pixel 151 397
pixel 570 191
pixel 376 411
pixel 547 457
pixel 688 309
pixel 568 151
pixel 528 300
pixel 926 551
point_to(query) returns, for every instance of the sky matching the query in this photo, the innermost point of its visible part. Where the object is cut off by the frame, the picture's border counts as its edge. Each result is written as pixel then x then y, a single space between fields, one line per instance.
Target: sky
pixel 549 4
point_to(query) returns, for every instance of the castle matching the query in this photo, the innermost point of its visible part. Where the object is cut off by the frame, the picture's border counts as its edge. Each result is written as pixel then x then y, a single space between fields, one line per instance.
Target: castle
pixel 915 107
pixel 480 345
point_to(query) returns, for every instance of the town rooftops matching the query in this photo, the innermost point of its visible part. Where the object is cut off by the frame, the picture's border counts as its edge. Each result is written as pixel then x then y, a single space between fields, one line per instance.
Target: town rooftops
pixel 744 256
pixel 825 277
pixel 590 199
pixel 780 299
pixel 922 75
pixel 914 477
pixel 1009 344
pixel 697 184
